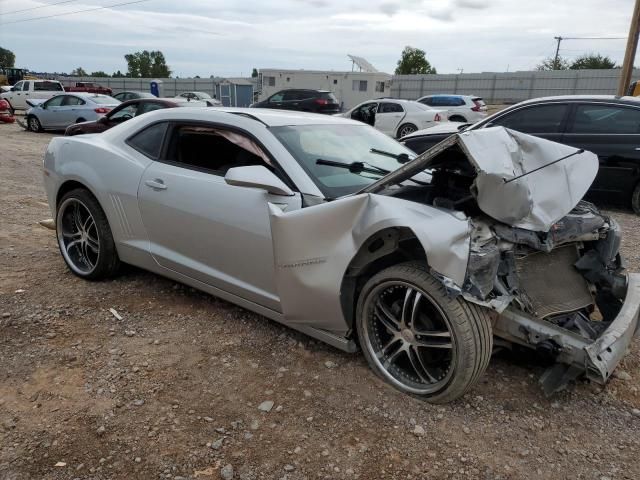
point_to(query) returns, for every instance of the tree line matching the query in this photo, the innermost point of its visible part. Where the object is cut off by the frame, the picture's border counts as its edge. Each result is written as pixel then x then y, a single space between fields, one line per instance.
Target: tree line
pixel 413 61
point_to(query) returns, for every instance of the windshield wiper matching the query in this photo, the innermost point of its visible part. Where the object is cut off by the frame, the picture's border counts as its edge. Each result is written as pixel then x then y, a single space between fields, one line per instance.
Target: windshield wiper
pixel 400 157
pixel 353 167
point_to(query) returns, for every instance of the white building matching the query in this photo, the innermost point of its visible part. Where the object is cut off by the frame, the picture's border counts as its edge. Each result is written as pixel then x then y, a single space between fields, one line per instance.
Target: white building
pixel 350 88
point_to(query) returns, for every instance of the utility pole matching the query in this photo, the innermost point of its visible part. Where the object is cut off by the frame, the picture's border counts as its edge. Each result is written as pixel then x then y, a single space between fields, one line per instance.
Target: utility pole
pixel 630 52
pixel 555 59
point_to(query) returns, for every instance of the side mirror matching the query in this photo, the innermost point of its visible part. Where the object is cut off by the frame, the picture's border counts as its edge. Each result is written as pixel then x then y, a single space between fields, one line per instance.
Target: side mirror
pixel 257 176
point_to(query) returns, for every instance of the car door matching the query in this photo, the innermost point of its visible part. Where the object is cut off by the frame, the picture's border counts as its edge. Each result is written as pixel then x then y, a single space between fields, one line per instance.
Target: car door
pixel 365 113
pixel 200 226
pixel 72 110
pixel 612 131
pixel 291 99
pixel 274 101
pixel 547 120
pixel 18 99
pixel 388 117
pixel 48 114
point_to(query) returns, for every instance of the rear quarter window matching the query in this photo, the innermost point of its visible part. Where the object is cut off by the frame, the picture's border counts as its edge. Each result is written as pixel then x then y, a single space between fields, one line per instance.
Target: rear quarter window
pixel 605 119
pixel 149 140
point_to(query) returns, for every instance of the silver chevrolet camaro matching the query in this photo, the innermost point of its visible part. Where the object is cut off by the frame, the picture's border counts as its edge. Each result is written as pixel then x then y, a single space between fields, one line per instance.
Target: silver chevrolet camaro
pixel 328 226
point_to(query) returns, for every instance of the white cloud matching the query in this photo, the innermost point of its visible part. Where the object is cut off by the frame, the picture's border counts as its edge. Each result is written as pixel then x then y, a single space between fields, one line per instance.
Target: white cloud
pixel 226 37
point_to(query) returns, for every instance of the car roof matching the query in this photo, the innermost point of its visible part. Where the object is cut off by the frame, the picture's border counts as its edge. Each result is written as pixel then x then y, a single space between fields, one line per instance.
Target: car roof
pixel 86 95
pixel 165 101
pixel 268 116
pixel 578 98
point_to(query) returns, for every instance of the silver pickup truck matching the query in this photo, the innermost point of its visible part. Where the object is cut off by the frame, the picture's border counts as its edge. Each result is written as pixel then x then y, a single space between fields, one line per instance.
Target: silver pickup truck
pixel 31 89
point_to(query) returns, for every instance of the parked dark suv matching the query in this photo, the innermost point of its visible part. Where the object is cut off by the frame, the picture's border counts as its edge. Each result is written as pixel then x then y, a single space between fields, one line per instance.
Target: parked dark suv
pixel 316 101
pixel 606 125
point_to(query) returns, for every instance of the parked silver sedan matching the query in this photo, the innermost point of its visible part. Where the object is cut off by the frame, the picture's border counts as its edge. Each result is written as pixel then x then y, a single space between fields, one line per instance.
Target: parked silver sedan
pixel 334 229
pixel 58 112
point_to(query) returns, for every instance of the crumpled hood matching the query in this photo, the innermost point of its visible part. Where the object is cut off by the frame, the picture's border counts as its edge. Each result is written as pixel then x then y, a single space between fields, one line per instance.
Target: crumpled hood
pixel 533 202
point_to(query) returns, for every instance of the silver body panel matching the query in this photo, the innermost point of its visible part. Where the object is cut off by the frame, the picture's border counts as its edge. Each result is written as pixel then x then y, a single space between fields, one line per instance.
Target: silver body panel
pixel 267 253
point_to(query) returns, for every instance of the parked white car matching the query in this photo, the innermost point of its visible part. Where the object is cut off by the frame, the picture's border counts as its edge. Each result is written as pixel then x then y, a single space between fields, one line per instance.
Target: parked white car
pixel 31 89
pixel 394 117
pixel 200 96
pixel 461 108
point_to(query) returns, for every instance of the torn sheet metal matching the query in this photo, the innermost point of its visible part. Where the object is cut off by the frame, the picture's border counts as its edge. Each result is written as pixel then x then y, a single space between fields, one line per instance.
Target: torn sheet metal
pixel 314 246
pixel 535 201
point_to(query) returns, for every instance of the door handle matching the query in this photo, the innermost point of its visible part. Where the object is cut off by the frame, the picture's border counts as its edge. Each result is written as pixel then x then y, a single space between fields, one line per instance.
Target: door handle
pixel 156 184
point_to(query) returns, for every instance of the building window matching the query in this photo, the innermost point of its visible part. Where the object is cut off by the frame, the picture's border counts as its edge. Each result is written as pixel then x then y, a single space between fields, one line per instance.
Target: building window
pixel 335 81
pixel 380 87
pixel 288 79
pixel 360 85
pixel 269 81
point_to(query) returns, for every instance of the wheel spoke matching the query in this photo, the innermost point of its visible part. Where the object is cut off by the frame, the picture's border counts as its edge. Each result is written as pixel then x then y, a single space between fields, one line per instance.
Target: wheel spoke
pixel 75 243
pixel 407 308
pixel 88 223
pixel 419 342
pixel 387 318
pixel 72 235
pixel 419 366
pixel 93 244
pixel 391 358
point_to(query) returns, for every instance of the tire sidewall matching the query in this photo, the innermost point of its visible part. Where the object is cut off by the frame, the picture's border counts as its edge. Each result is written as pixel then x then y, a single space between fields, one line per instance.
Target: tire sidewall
pixel 405 125
pixel 635 199
pixel 34 124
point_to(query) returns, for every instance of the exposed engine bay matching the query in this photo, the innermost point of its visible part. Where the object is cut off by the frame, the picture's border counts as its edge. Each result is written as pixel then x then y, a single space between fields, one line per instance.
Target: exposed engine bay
pixel 568 277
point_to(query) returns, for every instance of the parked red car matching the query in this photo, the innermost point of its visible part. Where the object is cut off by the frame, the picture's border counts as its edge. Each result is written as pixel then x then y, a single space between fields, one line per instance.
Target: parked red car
pixel 88 87
pixel 122 113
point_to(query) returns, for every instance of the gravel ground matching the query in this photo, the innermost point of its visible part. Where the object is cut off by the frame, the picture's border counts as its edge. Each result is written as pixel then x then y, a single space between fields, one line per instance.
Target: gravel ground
pixel 188 386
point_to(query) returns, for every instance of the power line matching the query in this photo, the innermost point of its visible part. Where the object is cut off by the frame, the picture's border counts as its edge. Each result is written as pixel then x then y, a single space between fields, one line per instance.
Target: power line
pixel 73 13
pixel 38 7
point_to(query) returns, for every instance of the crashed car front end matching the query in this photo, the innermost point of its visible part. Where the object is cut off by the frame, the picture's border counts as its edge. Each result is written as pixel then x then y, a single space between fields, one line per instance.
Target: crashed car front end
pixel 544 260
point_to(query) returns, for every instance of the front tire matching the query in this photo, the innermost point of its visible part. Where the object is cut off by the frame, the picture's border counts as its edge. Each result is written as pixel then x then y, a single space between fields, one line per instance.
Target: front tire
pixel 406 129
pixel 419 339
pixel 84 236
pixel 457 118
pixel 34 124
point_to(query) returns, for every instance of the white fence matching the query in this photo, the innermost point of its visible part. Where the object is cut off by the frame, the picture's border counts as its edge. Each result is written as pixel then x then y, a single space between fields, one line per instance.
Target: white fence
pixel 510 87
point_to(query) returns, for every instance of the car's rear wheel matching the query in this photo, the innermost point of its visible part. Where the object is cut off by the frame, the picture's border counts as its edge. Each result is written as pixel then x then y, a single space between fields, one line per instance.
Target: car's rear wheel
pixel 635 199
pixel 418 338
pixel 84 236
pixel 80 120
pixel 406 129
pixel 457 118
pixel 33 124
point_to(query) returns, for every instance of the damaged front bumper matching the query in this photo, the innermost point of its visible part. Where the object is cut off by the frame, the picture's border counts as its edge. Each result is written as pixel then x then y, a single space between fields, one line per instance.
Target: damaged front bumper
pixel 576 355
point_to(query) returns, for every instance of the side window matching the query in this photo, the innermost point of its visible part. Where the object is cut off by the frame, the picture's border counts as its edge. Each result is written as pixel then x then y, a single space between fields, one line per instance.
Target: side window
pixel 211 149
pixel 535 119
pixel 25 86
pixel 390 108
pixel 459 102
pixel 605 119
pixel 124 114
pixel 149 140
pixel 364 111
pixel 427 101
pixel 291 95
pixel 149 107
pixel 18 86
pixel 55 101
pixel 276 97
pixel 70 101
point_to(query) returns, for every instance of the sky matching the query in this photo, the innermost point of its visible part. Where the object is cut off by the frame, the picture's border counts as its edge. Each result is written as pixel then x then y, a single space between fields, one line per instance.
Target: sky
pixel 230 37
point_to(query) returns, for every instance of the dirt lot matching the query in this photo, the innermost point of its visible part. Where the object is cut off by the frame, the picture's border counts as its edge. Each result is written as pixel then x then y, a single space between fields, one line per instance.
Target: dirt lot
pixel 172 390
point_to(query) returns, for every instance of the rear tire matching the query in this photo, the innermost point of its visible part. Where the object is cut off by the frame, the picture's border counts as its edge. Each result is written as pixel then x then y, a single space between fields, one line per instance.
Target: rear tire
pixel 635 199
pixel 84 236
pixel 457 118
pixel 80 120
pixel 406 129
pixel 33 124
pixel 419 339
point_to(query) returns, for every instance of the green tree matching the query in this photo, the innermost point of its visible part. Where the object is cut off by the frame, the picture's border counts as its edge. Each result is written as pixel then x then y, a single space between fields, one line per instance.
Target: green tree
pixel 550 63
pixel 592 61
pixel 254 74
pixel 79 72
pixel 7 58
pixel 99 73
pixel 118 74
pixel 413 61
pixel 147 64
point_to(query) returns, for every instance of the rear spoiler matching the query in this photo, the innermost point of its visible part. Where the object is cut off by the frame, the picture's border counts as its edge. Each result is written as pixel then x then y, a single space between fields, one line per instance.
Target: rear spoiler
pixel 34 102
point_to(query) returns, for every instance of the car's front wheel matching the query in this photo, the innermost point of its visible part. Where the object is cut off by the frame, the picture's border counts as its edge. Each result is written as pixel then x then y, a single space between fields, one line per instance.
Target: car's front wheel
pixel 84 236
pixel 418 338
pixel 34 124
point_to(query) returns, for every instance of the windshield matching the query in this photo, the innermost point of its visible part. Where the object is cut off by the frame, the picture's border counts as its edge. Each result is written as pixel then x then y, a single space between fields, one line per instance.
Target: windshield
pixel 340 143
